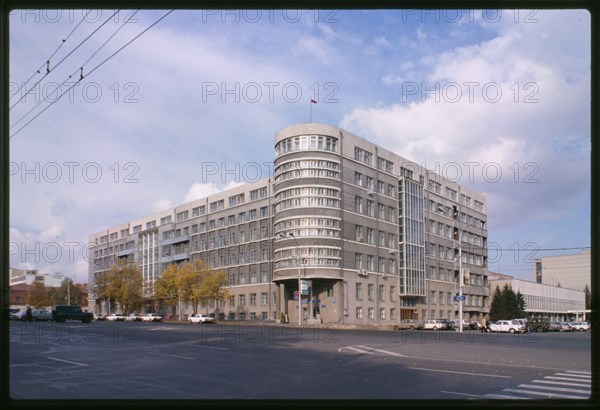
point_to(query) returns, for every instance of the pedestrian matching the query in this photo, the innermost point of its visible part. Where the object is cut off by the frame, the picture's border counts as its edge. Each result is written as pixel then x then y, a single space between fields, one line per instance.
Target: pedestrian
pixel 28 315
pixel 482 325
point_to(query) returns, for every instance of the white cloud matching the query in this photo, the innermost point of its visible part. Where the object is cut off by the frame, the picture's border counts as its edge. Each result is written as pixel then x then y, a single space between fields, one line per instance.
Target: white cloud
pixel 200 190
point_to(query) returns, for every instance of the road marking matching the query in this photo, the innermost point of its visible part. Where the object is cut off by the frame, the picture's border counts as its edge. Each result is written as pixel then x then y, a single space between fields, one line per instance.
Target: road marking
pixel 561 389
pixel 565 378
pixel 173 355
pixel 162 328
pixel 210 347
pixel 370 350
pixel 506 396
pixel 582 376
pixel 450 371
pixel 562 383
pixel 460 394
pixel 68 361
pixel 547 394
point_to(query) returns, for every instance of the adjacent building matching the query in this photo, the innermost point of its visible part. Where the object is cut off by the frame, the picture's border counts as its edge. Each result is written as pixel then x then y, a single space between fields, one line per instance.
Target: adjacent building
pixel 30 276
pixel 558 304
pixel 344 231
pixel 568 271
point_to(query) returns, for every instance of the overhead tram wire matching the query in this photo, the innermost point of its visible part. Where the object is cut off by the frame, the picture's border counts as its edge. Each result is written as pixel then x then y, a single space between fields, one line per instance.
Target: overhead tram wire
pixel 80 69
pixel 65 57
pixel 93 69
pixel 45 63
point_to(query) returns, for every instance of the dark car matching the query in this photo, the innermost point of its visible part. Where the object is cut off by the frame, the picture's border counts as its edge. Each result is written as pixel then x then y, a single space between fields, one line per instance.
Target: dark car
pixel 539 324
pixel 449 323
pixel 61 313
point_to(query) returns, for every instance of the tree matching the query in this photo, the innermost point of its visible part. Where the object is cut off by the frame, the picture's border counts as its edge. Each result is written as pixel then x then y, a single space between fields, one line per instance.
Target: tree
pixel 37 295
pixel 213 287
pixel 588 301
pixel 67 293
pixel 166 287
pixel 506 304
pixel 122 284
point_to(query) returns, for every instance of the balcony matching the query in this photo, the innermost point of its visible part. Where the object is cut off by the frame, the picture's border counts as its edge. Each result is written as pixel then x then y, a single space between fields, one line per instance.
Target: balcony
pixel 174 258
pixel 177 239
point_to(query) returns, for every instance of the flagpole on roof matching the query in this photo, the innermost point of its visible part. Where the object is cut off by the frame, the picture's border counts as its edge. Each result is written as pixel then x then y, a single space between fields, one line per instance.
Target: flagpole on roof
pixel 312 101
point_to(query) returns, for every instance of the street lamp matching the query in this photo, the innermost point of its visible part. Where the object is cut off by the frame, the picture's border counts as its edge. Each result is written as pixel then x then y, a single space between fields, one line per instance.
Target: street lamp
pixel 70 278
pixel 458 238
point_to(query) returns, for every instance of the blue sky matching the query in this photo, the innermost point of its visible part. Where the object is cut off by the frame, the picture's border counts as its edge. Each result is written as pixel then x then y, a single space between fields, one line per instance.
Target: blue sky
pixel 502 97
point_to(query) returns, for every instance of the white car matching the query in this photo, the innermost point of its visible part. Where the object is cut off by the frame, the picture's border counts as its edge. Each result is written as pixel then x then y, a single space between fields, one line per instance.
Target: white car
pixel 507 326
pixel 133 317
pixel 580 326
pixel 200 318
pixel 113 317
pixel 434 324
pixel 151 317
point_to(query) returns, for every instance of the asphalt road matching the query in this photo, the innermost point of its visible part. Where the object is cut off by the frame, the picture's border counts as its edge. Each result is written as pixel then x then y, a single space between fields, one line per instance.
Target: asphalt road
pixel 105 360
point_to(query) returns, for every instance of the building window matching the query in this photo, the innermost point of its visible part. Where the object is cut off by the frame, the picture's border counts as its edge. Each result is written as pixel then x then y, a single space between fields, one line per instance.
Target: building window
pixel 359 312
pixel 392 293
pixel 242 299
pixel 359 291
pixel 358 261
pixel 264 298
pixel 253 299
pixel 358 178
pixel 381 292
pixel 393 314
pixel 370 291
pixel 381 313
pixel 358 204
pixel 371 313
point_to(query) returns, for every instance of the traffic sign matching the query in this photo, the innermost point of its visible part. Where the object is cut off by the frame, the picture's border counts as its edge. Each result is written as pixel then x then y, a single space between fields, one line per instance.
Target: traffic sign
pixel 458 298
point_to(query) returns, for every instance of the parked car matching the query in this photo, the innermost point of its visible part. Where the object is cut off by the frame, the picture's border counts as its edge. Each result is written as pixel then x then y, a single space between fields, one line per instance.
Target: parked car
pixel 538 324
pixel 18 315
pixel 412 324
pixel 554 327
pixel 449 323
pixel 201 318
pixel 99 317
pixel 506 326
pixel 133 317
pixel 475 325
pixel 434 324
pixel 465 324
pixel 579 326
pixel 114 317
pixel 41 314
pixel 62 313
pixel 566 327
pixel 151 317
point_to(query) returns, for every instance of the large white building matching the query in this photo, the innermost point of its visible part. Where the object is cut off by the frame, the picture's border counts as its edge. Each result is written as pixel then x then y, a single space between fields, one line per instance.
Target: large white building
pixel 558 304
pixel 375 238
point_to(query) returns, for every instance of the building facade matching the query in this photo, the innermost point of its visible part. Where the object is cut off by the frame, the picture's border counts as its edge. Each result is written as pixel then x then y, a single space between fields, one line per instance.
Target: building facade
pixel 29 276
pixel 344 231
pixel 558 304
pixel 568 271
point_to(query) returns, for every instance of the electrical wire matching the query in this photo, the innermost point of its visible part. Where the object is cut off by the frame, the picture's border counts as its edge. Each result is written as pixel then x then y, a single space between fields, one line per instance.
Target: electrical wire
pixel 51 55
pixel 80 69
pixel 94 69
pixel 67 56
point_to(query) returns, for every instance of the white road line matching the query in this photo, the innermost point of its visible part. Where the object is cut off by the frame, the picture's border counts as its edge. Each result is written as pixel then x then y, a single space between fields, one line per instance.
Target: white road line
pixel 450 371
pixel 210 347
pixel 553 388
pixel 583 376
pixel 506 396
pixel 548 394
pixel 68 361
pixel 372 349
pixel 566 378
pixel 354 349
pixel 579 371
pixel 460 394
pixel 162 328
pixel 562 383
pixel 173 355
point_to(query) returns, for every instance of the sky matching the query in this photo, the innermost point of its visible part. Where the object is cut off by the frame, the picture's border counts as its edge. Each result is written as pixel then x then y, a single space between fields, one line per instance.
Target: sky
pixel 156 115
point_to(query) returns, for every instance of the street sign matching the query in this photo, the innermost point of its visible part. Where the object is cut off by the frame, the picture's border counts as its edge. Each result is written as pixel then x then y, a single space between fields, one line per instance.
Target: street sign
pixel 458 298
pixel 304 288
